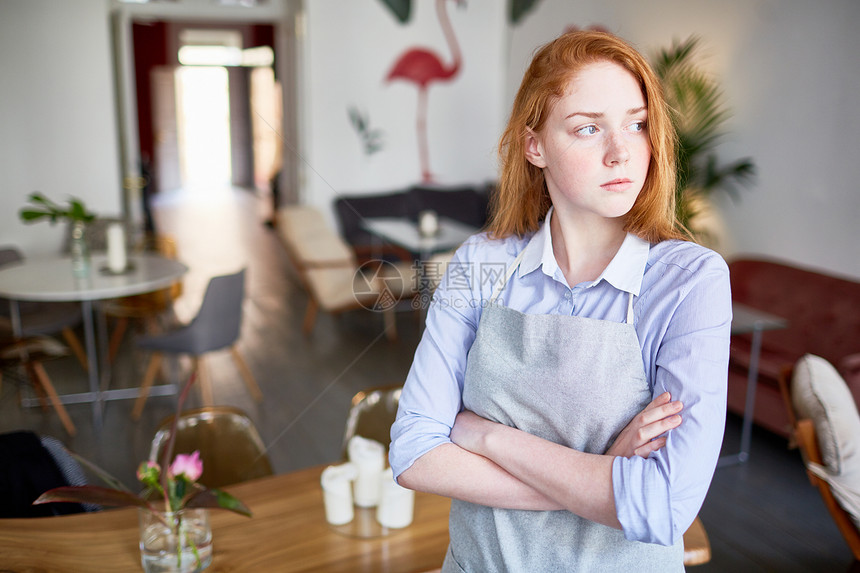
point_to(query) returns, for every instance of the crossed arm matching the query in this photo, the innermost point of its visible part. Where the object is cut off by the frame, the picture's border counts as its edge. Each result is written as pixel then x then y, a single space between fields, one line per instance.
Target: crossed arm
pixel 499 466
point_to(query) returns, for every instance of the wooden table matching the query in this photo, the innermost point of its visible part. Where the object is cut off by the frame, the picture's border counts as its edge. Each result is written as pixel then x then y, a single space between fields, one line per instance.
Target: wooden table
pixel 288 533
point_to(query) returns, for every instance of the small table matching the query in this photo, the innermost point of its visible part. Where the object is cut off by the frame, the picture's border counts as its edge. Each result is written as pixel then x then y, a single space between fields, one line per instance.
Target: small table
pixel 51 280
pixel 746 319
pixel 404 233
pixel 288 533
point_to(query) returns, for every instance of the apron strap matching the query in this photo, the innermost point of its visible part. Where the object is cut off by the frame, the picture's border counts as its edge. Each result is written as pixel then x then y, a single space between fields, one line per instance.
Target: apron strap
pixel 630 309
pixel 510 271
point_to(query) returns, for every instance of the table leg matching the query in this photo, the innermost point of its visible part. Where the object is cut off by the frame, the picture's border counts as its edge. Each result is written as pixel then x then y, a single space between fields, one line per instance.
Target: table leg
pixel 92 359
pixel 749 406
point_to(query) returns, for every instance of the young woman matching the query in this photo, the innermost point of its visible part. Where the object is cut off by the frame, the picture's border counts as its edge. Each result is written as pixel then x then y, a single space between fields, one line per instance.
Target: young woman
pixel 555 339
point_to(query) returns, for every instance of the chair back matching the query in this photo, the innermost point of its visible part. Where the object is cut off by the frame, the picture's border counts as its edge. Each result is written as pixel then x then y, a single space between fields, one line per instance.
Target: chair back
pixel 9 255
pixel 219 320
pixel 372 413
pixel 806 438
pixel 230 446
pixel 31 466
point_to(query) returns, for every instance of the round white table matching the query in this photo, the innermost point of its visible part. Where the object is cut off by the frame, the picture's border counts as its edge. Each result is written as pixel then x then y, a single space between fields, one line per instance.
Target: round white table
pixel 50 279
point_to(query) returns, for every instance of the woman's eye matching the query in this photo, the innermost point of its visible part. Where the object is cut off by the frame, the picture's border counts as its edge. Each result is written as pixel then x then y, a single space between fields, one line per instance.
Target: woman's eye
pixel 587 130
pixel 638 126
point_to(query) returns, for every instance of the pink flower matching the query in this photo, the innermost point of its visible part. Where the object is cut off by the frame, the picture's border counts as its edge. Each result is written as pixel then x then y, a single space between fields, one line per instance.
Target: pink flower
pixel 189 466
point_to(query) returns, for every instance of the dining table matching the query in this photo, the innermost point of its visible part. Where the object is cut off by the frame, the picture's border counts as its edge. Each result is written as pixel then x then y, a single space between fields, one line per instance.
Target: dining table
pixel 287 533
pixel 51 279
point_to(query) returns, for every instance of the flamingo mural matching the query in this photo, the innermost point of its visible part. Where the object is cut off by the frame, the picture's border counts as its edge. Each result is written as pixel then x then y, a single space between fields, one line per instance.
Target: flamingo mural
pixel 422 67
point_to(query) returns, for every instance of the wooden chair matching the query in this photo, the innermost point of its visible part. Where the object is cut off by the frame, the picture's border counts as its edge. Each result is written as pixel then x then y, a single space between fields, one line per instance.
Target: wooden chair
pixel 29 353
pixel 43 318
pixel 697 546
pixel 229 444
pixel 329 273
pixel 371 415
pixel 804 437
pixel 146 307
pixel 217 326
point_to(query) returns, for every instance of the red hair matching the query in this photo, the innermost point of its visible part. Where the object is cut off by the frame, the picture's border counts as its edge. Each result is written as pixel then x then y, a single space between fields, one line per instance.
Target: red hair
pixel 521 200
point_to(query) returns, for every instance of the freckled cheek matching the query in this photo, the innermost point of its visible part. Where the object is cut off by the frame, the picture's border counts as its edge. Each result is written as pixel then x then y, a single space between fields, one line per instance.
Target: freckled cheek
pixel 643 157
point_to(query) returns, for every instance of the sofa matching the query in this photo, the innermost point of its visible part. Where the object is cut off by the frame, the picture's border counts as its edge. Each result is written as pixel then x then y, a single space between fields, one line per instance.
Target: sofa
pixel 823 314
pixel 466 204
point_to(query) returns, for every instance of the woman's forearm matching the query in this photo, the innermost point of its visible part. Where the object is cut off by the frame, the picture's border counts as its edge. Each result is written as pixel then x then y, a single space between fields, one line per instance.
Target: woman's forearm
pixel 576 481
pixel 451 471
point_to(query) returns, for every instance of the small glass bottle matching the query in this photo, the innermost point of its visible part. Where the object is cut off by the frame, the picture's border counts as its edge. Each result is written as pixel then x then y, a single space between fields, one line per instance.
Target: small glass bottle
pixel 80 250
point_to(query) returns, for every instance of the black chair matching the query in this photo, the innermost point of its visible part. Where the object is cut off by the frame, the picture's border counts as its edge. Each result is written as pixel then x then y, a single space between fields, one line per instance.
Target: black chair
pixel 31 466
pixel 467 204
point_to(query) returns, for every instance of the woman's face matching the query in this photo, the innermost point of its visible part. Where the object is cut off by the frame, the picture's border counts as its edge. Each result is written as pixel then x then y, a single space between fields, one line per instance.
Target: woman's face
pixel 594 148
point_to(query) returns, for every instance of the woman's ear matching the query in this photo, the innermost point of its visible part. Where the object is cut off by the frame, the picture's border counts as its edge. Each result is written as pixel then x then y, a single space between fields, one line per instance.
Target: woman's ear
pixel 534 149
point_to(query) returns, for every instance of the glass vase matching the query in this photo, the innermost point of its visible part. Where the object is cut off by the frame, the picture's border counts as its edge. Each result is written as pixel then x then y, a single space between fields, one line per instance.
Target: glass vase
pixel 80 250
pixel 175 542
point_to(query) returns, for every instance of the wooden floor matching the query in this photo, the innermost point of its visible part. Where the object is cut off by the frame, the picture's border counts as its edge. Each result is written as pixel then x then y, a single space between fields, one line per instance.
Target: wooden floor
pixel 761 516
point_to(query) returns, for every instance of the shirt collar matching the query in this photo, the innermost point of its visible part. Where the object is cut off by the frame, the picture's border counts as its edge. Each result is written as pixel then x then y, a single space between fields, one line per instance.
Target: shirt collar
pixel 624 272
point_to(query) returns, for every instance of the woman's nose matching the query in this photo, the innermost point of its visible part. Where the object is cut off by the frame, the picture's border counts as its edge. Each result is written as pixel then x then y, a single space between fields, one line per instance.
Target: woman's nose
pixel 616 150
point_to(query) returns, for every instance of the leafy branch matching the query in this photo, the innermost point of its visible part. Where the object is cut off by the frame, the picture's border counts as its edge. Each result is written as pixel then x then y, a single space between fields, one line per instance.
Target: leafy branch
pixel 43 207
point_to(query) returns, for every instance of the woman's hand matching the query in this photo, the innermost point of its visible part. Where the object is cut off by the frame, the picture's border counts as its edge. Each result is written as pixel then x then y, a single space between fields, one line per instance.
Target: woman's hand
pixel 640 436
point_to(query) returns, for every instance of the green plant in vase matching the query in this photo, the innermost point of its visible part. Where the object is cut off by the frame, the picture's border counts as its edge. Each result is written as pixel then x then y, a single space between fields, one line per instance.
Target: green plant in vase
pixel 76 213
pixel 698 114
pixel 174 526
pixel 42 208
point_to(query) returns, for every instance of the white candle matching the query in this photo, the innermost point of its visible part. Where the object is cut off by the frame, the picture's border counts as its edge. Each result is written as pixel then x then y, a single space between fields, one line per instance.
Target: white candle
pixel 369 459
pixel 337 493
pixel 396 503
pixel 116 248
pixel 428 223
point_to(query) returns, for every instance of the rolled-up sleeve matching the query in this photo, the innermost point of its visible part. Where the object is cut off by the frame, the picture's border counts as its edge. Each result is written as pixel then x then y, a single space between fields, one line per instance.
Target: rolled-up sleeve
pixel 431 397
pixel 658 498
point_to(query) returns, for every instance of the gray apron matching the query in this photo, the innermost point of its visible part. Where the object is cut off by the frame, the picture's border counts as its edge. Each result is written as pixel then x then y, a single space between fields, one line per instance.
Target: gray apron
pixel 571 380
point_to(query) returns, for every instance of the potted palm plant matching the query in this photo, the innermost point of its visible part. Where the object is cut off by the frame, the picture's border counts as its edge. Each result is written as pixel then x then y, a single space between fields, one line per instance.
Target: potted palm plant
pixel 699 114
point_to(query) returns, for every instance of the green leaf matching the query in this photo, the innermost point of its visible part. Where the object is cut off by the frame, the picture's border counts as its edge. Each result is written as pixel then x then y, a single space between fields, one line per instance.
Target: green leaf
pixel 402 9
pixel 91 494
pixel 30 215
pixel 216 498
pixel 520 8
pixel 36 197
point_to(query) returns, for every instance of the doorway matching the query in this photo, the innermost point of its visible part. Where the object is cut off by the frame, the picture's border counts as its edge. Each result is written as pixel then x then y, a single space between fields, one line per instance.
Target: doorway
pixel 209 105
pixel 203 122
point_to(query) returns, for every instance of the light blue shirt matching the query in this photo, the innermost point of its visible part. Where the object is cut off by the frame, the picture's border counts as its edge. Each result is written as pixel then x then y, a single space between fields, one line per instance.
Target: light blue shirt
pixel 682 316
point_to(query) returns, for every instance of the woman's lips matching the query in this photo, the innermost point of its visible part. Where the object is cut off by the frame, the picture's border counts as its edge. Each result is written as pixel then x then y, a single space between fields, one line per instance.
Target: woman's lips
pixel 617 185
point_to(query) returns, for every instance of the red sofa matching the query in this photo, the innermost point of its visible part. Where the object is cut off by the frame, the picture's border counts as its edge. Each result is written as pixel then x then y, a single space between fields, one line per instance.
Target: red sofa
pixel 823 314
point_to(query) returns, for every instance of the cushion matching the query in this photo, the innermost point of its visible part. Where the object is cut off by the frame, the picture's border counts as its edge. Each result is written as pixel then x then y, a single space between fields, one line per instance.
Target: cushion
pixel 820 394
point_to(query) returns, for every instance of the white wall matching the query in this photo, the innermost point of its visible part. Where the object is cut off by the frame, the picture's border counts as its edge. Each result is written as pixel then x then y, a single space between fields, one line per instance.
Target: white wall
pixel 57 121
pixel 350 48
pixel 789 67
pixel 791 73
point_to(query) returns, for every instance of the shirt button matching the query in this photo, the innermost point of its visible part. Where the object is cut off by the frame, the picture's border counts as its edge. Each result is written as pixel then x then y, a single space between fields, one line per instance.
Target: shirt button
pixel 567 295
